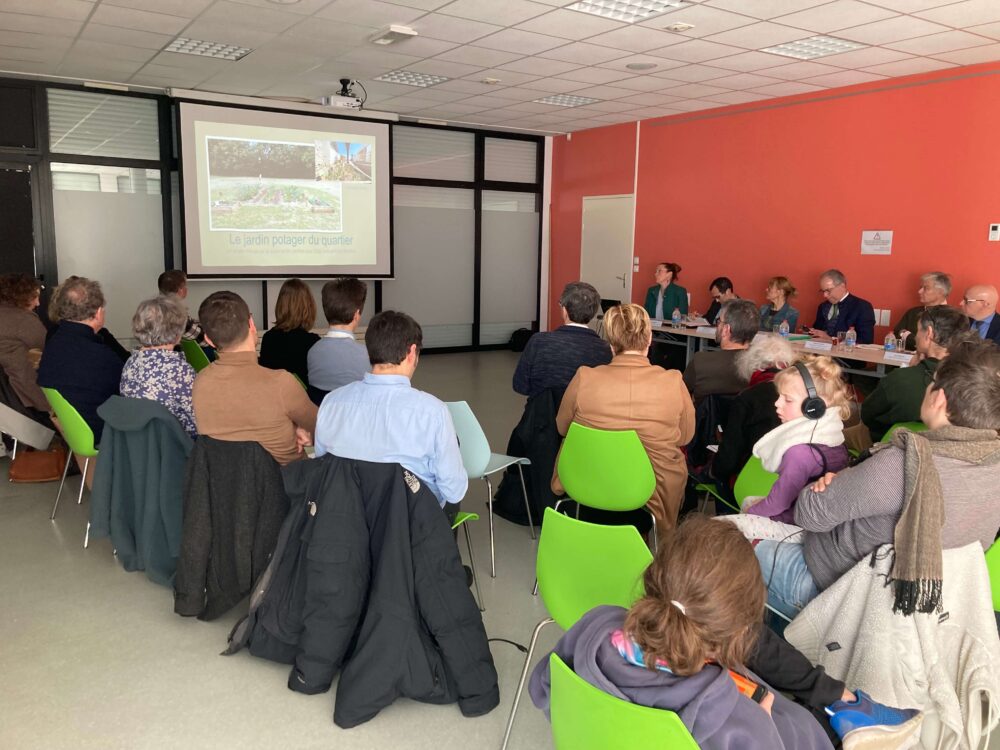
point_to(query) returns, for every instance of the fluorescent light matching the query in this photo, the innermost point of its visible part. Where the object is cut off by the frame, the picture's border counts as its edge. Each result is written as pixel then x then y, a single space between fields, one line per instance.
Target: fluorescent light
pixel 813 47
pixel 409 78
pixel 565 100
pixel 627 11
pixel 184 46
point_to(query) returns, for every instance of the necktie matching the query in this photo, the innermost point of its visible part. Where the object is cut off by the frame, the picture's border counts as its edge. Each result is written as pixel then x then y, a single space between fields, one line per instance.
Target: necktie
pixel 834 311
pixel 979 326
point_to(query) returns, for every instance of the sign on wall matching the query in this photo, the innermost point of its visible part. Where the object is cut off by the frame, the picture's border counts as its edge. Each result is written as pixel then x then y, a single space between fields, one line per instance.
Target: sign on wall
pixel 877 242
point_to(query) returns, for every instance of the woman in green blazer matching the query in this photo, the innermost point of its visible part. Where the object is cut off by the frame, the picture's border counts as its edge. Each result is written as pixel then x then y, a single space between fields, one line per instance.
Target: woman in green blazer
pixel 674 296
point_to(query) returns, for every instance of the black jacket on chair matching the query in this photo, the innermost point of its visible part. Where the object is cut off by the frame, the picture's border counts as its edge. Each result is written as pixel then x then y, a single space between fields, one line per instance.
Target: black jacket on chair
pixel 234 505
pixel 367 581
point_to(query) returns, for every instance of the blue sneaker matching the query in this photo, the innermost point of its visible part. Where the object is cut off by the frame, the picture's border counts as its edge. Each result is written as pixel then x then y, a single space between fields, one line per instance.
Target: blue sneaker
pixel 863 724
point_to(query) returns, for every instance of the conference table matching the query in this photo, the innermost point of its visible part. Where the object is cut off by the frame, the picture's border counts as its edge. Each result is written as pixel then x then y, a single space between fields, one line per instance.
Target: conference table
pixel 694 338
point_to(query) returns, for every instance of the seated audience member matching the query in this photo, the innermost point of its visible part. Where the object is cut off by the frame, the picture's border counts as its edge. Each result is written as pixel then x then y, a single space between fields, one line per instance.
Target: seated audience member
pixel 338 359
pixel 155 371
pixel 22 338
pixel 715 371
pixel 980 304
pixel 721 290
pixel 286 346
pixel 778 310
pixel 174 283
pixel 551 359
pixel 632 394
pixel 105 336
pixel 752 414
pixel 923 492
pixel 934 290
pixel 238 400
pixel 76 362
pixel 689 646
pixel 898 396
pixel 666 295
pixel 810 440
pixel 842 310
pixel 383 418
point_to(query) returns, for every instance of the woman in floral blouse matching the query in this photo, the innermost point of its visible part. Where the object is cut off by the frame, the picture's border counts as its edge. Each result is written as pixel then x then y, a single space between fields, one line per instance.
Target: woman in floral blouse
pixel 155 371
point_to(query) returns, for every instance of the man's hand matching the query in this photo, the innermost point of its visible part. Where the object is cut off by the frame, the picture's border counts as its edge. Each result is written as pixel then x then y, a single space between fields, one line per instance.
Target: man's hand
pixel 823 482
pixel 302 439
pixel 816 333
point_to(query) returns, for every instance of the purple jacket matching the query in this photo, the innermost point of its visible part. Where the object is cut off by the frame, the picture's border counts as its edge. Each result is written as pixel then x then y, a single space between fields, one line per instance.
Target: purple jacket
pixel 800 464
pixel 708 703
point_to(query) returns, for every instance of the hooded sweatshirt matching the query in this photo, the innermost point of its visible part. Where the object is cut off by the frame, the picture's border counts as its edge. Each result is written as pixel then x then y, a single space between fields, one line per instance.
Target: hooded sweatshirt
pixel 708 703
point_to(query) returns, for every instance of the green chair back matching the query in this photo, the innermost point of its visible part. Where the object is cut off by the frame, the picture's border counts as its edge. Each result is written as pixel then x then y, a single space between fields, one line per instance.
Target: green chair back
pixel 605 469
pixel 753 481
pixel 993 566
pixel 583 565
pixel 472 440
pixel 78 434
pixel 911 426
pixel 194 354
pixel 586 718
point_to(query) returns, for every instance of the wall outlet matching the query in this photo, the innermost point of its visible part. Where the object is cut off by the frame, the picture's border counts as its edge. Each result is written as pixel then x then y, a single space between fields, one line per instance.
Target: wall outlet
pixel 885 317
pixel 994 235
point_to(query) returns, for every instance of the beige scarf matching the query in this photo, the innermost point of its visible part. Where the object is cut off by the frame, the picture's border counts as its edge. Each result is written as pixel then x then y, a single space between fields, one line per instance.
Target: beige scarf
pixel 917 569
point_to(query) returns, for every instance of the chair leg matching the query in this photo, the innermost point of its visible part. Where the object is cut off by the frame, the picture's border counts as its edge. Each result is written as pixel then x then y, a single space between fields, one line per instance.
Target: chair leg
pixel 83 480
pixel 655 539
pixel 472 563
pixel 527 505
pixel 13 453
pixel 86 536
pixel 69 457
pixel 524 676
pixel 489 503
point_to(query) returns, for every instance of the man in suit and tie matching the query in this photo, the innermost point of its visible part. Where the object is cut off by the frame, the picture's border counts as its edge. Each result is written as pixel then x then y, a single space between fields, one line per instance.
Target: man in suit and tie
pixel 841 310
pixel 980 304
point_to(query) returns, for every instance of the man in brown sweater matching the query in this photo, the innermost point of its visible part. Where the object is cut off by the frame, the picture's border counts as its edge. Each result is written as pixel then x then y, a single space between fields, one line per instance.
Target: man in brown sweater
pixel 236 399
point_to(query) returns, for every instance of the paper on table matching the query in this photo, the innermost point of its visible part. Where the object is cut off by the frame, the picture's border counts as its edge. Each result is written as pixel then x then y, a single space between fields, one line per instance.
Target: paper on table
pixel 696 322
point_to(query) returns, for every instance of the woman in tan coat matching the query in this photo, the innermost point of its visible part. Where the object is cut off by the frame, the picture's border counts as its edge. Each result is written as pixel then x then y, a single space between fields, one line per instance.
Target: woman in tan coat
pixel 22 337
pixel 632 394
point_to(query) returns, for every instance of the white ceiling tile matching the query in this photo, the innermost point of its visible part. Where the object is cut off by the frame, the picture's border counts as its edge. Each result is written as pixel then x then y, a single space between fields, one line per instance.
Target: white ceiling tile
pixel 593 75
pixel 597 92
pixel 473 55
pixel 369 13
pixel 991 30
pixel 844 78
pixel 745 81
pixel 759 35
pixel 434 95
pixel 797 70
pixel 507 77
pixel 651 113
pixel 840 14
pixel 596 108
pixel 28 54
pixel 519 95
pixel 377 58
pixel 184 8
pixel 301 7
pixel 159 23
pixel 968 13
pixel 583 53
pixel 935 44
pixel 101 70
pixel 452 29
pixel 175 61
pixel 891 30
pixel 42 25
pixel 422 46
pixel 692 73
pixel 422 4
pixel 451 109
pixel 12 38
pixel 695 51
pixel 265 62
pixel 569 24
pixel 644 83
pixel 540 66
pixel 737 97
pixel 764 9
pixel 228 33
pixel 695 90
pixel 973 55
pixel 693 105
pixel 444 68
pixel 99 33
pixel 75 10
pixel 863 58
pixel 522 42
pixel 662 64
pixel 911 6
pixel 649 99
pixel 636 39
pixel 506 13
pixel 556 85
pixel 335 35
pixel 471 88
pixel 706 20
pixel 910 67
pixel 788 88
pixel 24 66
pixel 748 61
pixel 110 52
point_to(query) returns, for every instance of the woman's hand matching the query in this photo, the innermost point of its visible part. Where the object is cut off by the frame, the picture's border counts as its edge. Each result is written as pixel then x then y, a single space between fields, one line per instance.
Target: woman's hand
pixel 302 439
pixel 823 482
pixel 767 702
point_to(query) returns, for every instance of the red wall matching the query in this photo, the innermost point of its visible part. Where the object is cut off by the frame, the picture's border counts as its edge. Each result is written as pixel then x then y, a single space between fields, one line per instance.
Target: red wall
pixel 787 187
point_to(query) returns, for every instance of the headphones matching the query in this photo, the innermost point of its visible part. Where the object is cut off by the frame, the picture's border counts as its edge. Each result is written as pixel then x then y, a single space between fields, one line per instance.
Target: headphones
pixel 813 407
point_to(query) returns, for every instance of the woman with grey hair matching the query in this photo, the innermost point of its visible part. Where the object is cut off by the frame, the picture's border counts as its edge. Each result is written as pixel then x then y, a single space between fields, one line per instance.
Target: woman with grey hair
pixel 156 371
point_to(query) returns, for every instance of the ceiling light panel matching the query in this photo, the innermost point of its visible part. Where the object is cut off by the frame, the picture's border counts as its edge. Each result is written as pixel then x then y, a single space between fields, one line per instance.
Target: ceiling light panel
pixel 410 78
pixel 566 100
pixel 626 11
pixel 817 46
pixel 185 46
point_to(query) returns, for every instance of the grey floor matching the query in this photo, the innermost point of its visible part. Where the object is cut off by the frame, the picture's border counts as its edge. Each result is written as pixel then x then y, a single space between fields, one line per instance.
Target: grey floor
pixel 93 657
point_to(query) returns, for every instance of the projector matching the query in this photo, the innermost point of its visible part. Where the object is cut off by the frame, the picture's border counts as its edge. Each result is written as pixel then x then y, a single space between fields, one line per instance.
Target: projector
pixel 342 102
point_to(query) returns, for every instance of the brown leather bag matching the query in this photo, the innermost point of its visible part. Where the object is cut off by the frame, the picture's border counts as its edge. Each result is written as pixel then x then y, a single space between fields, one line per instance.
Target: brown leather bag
pixel 38 466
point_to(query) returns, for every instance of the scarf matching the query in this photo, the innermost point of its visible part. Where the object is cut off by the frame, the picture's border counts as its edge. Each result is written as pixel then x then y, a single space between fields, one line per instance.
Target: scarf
pixel 918 569
pixel 827 430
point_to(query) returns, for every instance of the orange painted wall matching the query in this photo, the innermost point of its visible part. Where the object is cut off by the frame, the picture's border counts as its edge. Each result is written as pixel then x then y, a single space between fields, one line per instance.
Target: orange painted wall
pixel 593 162
pixel 786 187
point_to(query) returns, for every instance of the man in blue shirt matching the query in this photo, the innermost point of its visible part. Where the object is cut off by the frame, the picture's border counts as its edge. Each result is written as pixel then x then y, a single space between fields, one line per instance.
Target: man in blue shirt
pixel 382 418
pixel 980 304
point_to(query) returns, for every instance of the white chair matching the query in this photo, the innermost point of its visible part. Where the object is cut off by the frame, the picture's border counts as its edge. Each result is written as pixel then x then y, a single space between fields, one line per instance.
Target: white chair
pixel 480 462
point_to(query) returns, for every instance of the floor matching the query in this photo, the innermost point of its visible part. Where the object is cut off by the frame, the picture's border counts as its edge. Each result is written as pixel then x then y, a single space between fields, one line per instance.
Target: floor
pixel 93 657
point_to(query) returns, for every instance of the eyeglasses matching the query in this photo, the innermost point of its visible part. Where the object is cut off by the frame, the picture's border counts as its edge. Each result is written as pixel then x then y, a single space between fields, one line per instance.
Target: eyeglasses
pixel 828 289
pixel 970 301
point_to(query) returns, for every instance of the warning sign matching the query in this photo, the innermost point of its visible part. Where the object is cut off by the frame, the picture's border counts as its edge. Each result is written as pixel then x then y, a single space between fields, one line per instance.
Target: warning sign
pixel 878 242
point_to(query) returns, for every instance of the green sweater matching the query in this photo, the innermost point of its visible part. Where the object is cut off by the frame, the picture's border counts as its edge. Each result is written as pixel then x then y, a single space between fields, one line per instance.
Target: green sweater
pixel 897 397
pixel 673 296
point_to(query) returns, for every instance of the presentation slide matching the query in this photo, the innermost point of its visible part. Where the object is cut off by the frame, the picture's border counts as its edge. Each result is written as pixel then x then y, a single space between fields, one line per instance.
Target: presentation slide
pixel 271 194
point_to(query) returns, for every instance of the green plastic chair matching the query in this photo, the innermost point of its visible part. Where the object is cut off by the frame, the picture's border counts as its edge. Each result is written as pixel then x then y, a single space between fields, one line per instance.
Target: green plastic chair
pixel 605 469
pixel 80 439
pixel 462 519
pixel 194 354
pixel 752 481
pixel 581 566
pixel 993 566
pixel 586 718
pixel 911 426
pixel 480 462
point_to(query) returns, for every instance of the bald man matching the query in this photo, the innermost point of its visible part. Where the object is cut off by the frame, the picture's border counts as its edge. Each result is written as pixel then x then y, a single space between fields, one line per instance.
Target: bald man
pixel 980 304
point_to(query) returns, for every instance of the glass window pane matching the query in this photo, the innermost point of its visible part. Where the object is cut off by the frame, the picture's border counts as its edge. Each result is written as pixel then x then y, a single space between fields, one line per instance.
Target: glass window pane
pixel 501 200
pixel 84 122
pixel 102 179
pixel 413 196
pixel 433 154
pixel 511 161
pixel 510 229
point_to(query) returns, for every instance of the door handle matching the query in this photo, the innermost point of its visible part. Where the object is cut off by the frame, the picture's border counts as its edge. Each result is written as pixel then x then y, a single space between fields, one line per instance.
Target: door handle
pixel 621 279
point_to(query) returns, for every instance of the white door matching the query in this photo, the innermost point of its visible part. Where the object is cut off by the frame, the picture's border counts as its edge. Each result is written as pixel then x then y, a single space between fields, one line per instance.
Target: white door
pixel 606 246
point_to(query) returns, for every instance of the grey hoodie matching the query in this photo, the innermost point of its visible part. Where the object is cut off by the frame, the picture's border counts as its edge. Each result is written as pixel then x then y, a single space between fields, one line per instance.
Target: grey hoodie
pixel 708 703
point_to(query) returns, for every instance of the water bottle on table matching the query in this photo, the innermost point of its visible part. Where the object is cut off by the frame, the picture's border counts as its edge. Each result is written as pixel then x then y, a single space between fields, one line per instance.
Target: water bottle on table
pixel 850 339
pixel 783 329
pixel 675 318
pixel 890 342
